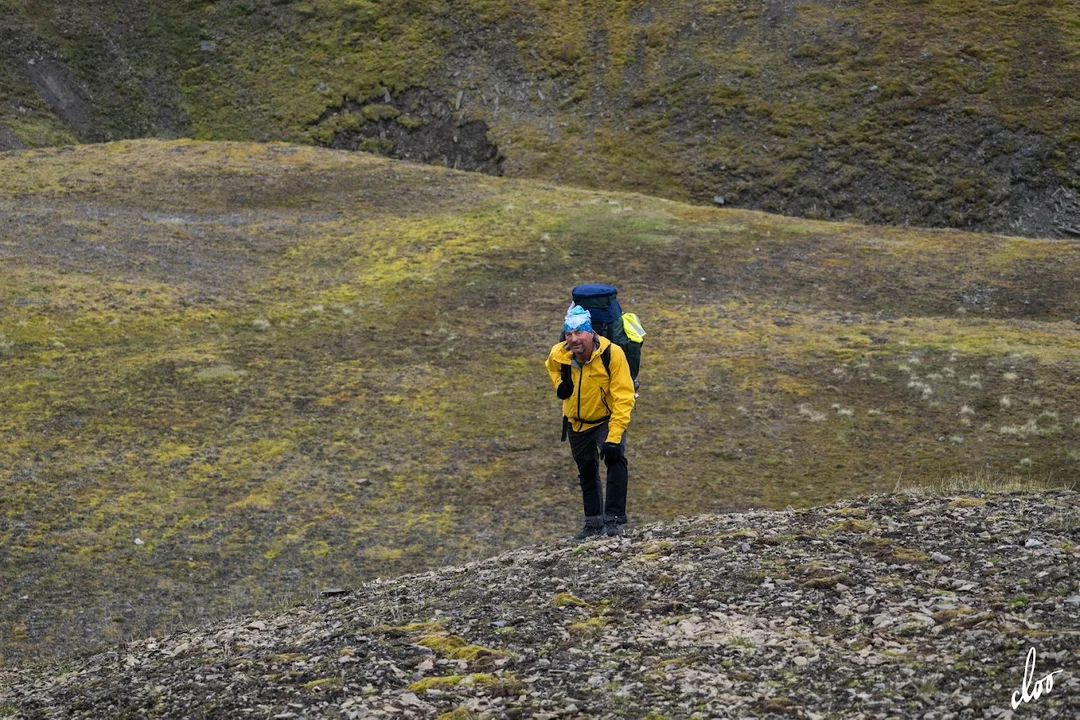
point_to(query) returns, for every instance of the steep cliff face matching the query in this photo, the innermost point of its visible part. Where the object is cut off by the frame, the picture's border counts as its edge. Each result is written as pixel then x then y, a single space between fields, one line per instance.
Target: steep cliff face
pixel 881 607
pixel 935 112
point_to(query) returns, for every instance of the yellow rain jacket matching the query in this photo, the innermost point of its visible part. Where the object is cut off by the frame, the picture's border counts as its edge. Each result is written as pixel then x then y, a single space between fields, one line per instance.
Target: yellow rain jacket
pixel 597 397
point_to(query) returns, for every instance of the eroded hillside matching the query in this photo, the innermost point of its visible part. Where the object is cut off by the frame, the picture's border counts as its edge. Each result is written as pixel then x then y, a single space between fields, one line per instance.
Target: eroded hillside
pixel 234 373
pixel 954 113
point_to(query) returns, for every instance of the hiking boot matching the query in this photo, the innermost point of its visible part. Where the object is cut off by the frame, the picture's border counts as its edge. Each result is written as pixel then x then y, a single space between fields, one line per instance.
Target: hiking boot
pixel 614 529
pixel 589 531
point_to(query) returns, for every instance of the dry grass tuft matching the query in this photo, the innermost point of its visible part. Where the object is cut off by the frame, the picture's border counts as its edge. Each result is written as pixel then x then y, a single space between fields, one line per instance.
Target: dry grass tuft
pixel 981 481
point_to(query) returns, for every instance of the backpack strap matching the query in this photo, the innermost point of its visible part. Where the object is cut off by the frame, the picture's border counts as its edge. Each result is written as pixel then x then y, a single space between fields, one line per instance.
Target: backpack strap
pixel 606 357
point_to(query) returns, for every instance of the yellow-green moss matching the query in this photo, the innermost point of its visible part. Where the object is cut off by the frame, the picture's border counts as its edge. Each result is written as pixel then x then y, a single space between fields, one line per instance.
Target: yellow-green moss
pixel 943 616
pixel 851 525
pixel 564 599
pixel 849 512
pixel 380 112
pixel 323 683
pixel 588 628
pixel 438 683
pixel 425 627
pixel 456 714
pixel 827 581
pixel 381 553
pixel 741 533
pixel 910 555
pixel 456 648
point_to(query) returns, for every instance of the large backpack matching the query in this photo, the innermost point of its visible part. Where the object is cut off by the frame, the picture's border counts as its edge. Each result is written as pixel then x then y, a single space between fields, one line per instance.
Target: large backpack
pixel 609 320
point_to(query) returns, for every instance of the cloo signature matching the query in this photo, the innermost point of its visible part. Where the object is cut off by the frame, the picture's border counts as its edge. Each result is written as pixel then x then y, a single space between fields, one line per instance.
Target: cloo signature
pixel 1029 691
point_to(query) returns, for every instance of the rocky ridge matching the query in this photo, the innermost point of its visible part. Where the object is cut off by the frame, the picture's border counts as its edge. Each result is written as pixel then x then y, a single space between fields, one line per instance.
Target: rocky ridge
pixel 900 605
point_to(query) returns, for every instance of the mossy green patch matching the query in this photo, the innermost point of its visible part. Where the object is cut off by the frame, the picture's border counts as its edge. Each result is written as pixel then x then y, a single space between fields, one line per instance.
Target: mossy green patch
pixel 424 627
pixel 909 555
pixel 851 525
pixel 565 599
pixel 219 373
pixel 592 627
pixel 966 502
pixel 456 714
pixel 456 648
pixel 827 581
pixel 323 683
pixel 948 615
pixel 441 682
pixel 858 513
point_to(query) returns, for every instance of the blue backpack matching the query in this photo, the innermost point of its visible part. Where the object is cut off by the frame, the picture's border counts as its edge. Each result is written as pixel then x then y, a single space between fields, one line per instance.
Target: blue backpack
pixel 609 320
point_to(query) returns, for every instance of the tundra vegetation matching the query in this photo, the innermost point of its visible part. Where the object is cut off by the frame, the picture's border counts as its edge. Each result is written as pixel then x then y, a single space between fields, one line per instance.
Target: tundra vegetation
pixel 236 373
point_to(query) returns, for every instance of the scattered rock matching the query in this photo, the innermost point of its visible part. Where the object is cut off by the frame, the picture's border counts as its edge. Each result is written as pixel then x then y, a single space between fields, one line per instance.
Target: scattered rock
pixel 409 700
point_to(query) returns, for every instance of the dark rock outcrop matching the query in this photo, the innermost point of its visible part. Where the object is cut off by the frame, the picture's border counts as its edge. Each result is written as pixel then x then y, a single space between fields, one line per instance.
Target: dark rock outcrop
pixel 415 125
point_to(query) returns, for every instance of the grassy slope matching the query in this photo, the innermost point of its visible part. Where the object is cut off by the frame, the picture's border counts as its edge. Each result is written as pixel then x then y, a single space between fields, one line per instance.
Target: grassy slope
pixel 931 112
pixel 237 372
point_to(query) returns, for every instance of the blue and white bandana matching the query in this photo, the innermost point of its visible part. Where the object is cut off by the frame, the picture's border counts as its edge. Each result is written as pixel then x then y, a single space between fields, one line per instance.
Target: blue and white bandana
pixel 577 318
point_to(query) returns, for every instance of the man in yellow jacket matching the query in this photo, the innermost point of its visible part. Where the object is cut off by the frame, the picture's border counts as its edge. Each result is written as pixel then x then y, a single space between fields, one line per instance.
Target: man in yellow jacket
pixel 592 378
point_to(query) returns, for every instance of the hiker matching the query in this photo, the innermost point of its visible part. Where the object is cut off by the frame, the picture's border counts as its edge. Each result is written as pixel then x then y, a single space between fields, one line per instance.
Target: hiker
pixel 592 378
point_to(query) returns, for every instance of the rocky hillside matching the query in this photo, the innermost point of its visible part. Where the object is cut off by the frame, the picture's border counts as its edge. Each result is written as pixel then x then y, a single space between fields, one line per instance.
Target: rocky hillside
pixel 891 606
pixel 956 113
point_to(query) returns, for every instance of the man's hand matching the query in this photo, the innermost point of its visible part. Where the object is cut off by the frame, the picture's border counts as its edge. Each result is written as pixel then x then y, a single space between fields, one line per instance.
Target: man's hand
pixel 611 452
pixel 566 387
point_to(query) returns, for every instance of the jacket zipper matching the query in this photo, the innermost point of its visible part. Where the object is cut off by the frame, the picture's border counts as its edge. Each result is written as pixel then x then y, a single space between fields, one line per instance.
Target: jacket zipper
pixel 581 379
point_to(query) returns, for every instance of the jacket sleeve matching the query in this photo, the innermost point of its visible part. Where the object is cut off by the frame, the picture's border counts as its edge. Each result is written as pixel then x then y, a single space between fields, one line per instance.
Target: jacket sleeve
pixel 554 367
pixel 621 395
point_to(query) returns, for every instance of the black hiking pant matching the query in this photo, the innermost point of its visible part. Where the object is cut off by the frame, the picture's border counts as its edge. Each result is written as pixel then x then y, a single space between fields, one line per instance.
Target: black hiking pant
pixel 599 509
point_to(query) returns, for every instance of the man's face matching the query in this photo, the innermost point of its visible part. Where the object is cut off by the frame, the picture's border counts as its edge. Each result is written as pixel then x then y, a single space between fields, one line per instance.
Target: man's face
pixel 579 340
